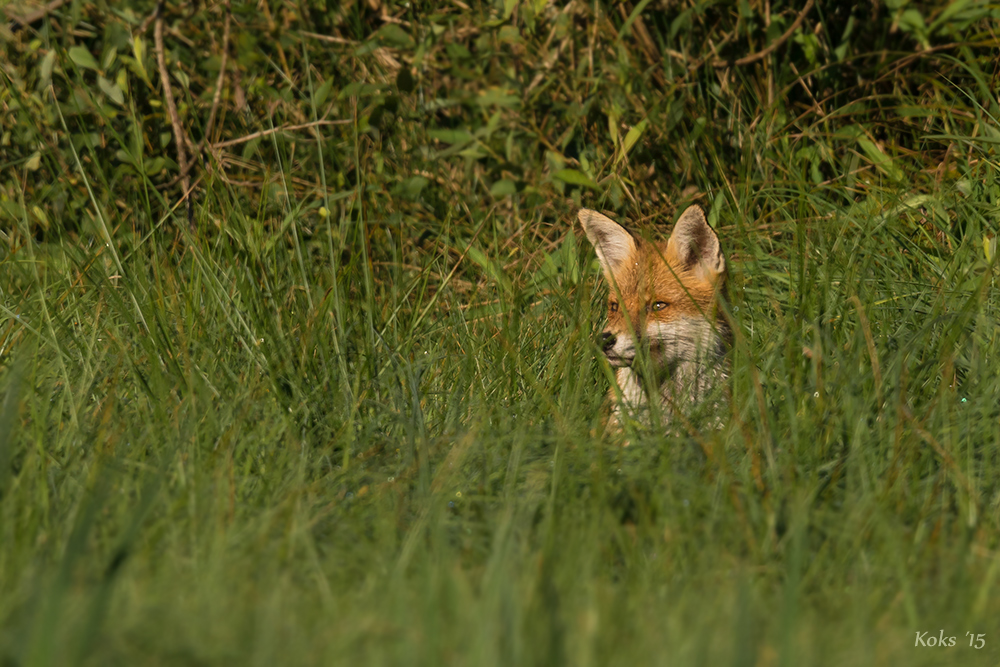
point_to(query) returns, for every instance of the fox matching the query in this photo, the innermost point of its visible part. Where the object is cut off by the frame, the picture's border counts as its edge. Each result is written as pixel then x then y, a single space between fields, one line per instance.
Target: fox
pixel 666 335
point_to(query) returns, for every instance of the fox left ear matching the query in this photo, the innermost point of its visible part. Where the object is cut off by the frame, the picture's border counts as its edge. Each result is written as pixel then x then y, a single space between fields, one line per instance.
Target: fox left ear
pixel 614 245
pixel 694 245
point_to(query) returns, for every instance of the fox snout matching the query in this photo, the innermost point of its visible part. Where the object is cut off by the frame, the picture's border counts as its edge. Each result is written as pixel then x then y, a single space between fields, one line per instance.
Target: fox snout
pixel 619 349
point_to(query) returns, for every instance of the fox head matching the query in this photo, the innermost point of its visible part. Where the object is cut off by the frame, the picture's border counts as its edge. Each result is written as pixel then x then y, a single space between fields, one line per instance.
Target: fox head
pixel 663 295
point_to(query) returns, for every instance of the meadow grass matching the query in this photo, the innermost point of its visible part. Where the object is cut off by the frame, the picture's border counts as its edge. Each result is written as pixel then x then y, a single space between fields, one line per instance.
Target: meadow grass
pixel 352 411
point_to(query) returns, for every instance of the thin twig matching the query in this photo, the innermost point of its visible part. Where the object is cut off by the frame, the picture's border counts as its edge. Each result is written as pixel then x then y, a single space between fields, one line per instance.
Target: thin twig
pixel 273 27
pixel 547 64
pixel 747 60
pixel 642 35
pixel 168 95
pixel 328 38
pixel 24 20
pixel 198 149
pixel 553 56
pixel 144 26
pixel 722 42
pixel 219 81
pixel 283 128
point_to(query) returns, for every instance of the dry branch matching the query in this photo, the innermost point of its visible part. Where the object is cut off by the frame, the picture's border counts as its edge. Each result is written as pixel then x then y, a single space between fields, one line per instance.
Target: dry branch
pixel 264 133
pixel 168 94
pixel 219 81
pixel 22 20
pixel 748 60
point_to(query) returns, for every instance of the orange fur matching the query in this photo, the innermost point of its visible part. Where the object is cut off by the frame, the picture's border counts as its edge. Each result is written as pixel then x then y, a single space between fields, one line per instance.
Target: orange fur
pixel 663 297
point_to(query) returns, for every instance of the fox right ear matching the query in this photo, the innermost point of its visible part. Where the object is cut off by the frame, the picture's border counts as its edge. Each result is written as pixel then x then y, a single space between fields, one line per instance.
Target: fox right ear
pixel 694 244
pixel 613 243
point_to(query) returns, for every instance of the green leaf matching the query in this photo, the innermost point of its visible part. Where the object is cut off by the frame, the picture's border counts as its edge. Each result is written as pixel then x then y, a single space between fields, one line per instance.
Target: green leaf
pixel 509 35
pixel 955 7
pixel 359 89
pixel 627 26
pixel 574 177
pixel 138 65
pixel 139 49
pixel 490 268
pixel 912 21
pixel 44 219
pixel 250 149
pixel 633 135
pixel 82 57
pixel 411 187
pixel 958 137
pixel 699 128
pixel 682 22
pixel 881 161
pixel 457 51
pixel 85 140
pixel 112 90
pixel 498 96
pixel 849 132
pixel 394 35
pixel 452 136
pixel 809 44
pixel 405 81
pixel 503 188
pixel 323 92
pixel 45 69
pixel 183 78
pixel 473 153
pixel 915 112
pixel 154 166
pixel 34 162
pixel 559 267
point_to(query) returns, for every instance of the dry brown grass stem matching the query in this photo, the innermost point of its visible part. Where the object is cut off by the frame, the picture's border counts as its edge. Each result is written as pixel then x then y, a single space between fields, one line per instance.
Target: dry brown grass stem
pixel 760 55
pixel 22 20
pixel 328 38
pixel 168 95
pixel 283 128
pixel 220 80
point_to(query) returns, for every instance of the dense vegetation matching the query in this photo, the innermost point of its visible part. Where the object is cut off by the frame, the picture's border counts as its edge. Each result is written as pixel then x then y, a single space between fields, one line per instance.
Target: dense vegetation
pixel 343 403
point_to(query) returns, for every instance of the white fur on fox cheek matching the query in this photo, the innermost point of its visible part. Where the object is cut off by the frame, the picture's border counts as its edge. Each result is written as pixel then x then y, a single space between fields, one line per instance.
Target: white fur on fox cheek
pixel 682 339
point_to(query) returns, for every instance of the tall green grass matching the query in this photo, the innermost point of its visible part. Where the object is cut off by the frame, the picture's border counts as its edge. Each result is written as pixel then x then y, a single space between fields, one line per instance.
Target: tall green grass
pixel 352 413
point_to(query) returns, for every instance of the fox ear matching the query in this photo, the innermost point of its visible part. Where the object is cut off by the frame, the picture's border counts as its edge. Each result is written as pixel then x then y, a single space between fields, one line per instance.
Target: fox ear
pixel 614 245
pixel 694 245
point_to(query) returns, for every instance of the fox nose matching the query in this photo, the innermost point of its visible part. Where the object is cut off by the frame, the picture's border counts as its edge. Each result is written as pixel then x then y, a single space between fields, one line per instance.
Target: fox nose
pixel 608 340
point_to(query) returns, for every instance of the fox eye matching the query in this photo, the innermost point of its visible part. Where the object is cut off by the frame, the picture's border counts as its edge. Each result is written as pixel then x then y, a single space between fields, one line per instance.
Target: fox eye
pixel 613 306
pixel 660 305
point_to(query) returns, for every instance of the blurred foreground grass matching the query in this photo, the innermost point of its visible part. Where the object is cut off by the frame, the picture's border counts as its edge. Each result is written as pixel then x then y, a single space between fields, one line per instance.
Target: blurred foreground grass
pixel 350 409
